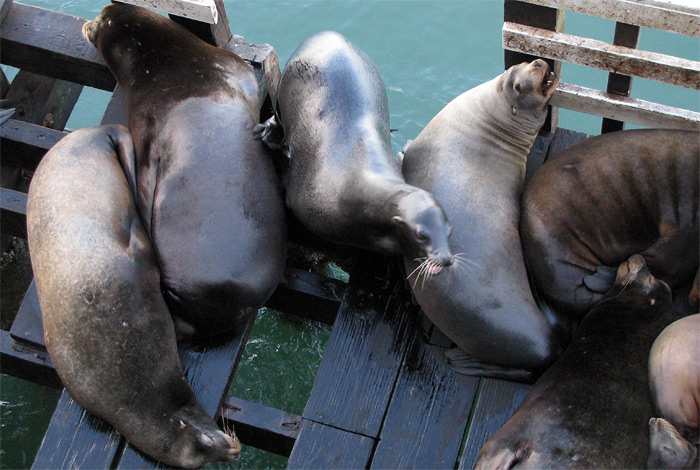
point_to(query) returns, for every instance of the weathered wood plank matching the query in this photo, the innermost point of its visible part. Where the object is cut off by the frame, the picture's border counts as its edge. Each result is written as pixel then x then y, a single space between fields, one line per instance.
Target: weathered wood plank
pixel 116 108
pixel 26 362
pixel 428 414
pixel 564 138
pixel 28 326
pixel 76 439
pixel 4 86
pixel 197 10
pixel 42 100
pixel 260 426
pixel 13 205
pixel 362 358
pixel 538 154
pixel 625 35
pixel 601 55
pixel 664 15
pixel 497 401
pixel 621 108
pixel 217 34
pixel 320 446
pixel 25 144
pixel 209 365
pixel 4 9
pixel 51 43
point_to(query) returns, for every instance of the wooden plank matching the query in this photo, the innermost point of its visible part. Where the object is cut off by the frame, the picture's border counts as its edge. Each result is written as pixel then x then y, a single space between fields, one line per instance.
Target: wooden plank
pixel 538 154
pixel 428 414
pixel 25 144
pixel 320 446
pixel 217 33
pixel 564 138
pixel 26 362
pixel 4 86
pixel 197 10
pixel 664 15
pixel 263 427
pixel 42 100
pixel 209 365
pixel 632 110
pixel 625 35
pixel 308 295
pixel 601 55
pixel 116 109
pixel 76 439
pixel 28 326
pixel 363 354
pixel 13 205
pixel 51 43
pixel 497 401
pixel 4 9
pixel 537 16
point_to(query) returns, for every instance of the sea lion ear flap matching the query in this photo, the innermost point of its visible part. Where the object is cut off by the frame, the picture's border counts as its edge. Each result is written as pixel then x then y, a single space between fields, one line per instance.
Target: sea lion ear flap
pixel 398 220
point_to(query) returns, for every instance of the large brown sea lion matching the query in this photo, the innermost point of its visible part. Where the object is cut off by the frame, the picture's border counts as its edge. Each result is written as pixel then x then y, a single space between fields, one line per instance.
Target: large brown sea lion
pixel 590 409
pixel 207 193
pixel 598 202
pixel 107 328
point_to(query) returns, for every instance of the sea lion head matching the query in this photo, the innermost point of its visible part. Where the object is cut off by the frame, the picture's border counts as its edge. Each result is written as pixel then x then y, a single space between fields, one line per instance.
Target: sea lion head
pixel 634 274
pixel 194 443
pixel 667 448
pixel 528 87
pixel 423 230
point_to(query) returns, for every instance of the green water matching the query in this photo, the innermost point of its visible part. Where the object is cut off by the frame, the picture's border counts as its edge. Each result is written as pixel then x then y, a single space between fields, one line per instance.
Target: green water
pixel 428 52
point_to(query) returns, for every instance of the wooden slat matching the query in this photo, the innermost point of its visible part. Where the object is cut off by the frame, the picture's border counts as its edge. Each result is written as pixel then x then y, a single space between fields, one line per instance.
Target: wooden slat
pixel 632 110
pixel 26 362
pixel 564 138
pixel 427 418
pixel 51 43
pixel 198 10
pixel 625 35
pixel 14 207
pixel 76 439
pixel 4 9
pixel 263 427
pixel 320 446
pixel 497 401
pixel 25 144
pixel 217 33
pixel 362 357
pixel 664 15
pixel 601 55
pixel 28 326
pixel 116 108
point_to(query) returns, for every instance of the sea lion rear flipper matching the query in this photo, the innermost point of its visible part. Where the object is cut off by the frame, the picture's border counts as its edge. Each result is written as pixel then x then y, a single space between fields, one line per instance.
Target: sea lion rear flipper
pixel 667 448
pixel 270 133
pixel 465 363
pixel 602 280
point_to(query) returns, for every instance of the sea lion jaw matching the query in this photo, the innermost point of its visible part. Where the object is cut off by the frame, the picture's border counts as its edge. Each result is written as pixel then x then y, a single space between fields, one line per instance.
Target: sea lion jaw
pixel 529 86
pixel 199 445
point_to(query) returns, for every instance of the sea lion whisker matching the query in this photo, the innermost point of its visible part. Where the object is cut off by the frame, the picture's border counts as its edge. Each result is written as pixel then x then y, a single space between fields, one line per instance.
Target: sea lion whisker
pixel 423 266
pixel 417 268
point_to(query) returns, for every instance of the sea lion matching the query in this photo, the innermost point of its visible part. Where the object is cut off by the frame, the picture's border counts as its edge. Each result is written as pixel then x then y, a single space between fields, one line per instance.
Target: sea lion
pixel 207 193
pixel 674 375
pixel 344 183
pixel 471 157
pixel 668 449
pixel 591 408
pixel 599 201
pixel 106 326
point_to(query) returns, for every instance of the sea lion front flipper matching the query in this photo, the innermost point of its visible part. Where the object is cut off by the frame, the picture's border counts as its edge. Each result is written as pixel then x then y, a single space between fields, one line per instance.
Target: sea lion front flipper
pixel 602 280
pixel 270 133
pixel 667 448
pixel 465 363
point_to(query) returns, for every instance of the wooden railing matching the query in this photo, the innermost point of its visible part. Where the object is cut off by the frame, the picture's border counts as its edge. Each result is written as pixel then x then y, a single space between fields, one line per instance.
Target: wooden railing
pixel 622 58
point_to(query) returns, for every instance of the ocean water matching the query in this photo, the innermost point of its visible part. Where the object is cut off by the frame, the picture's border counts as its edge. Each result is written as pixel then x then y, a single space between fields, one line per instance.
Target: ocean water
pixel 428 52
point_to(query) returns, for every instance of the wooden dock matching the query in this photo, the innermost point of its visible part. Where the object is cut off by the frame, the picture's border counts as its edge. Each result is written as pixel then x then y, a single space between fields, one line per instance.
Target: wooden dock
pixel 383 396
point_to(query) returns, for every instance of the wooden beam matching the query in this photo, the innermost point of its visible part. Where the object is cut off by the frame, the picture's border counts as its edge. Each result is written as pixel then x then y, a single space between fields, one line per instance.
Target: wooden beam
pixel 658 14
pixel 51 43
pixel 4 84
pixel 197 10
pixel 14 208
pixel 601 55
pixel 325 447
pixel 263 427
pixel 217 34
pixel 28 363
pixel 4 9
pixel 25 144
pixel 625 35
pixel 632 110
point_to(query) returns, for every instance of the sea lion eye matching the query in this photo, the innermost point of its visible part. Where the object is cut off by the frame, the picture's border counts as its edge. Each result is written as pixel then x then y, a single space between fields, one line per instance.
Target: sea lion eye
pixel 421 235
pixel 517 87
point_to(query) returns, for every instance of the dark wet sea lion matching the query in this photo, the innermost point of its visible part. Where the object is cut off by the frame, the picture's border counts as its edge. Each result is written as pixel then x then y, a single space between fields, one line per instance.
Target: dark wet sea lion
pixel 107 328
pixel 344 183
pixel 604 199
pixel 591 408
pixel 471 157
pixel 207 193
pixel 674 376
